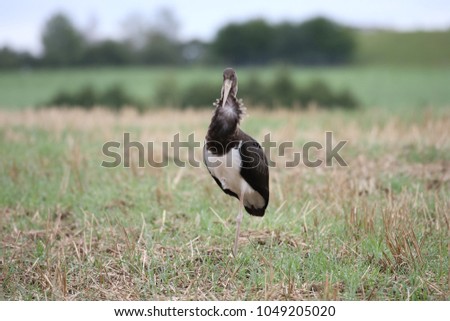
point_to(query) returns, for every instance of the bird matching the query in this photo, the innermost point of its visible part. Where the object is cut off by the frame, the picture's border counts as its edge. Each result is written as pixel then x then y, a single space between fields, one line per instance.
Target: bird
pixel 234 159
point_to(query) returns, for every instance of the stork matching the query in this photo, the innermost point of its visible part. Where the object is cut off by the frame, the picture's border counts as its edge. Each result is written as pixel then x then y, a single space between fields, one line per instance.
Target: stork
pixel 235 160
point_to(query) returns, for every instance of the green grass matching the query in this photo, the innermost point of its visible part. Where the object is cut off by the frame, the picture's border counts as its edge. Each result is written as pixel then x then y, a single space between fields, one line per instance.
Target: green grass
pixel 382 87
pixel 72 230
pixel 385 47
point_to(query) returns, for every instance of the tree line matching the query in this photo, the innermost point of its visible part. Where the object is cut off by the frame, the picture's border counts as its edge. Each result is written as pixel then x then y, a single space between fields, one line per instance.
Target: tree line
pixel 316 41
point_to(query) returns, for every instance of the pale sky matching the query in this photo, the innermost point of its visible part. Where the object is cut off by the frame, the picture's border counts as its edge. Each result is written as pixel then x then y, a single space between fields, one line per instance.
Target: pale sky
pixel 21 21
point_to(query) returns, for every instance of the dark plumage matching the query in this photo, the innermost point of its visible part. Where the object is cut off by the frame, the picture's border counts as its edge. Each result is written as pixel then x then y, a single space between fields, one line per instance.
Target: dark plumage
pixel 234 159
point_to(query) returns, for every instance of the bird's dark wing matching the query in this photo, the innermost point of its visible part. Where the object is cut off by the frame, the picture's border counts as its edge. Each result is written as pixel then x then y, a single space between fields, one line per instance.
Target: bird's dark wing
pixel 254 168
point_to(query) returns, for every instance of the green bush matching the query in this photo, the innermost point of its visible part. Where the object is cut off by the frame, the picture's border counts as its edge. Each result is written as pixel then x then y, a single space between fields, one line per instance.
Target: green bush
pixel 346 100
pixel 197 94
pixel 255 92
pixel 87 97
pixel 167 93
pixel 116 97
pixel 282 91
pixel 316 92
pixel 200 94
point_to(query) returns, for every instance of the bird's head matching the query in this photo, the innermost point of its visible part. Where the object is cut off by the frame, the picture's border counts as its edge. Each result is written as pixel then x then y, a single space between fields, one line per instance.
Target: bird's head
pixel 230 84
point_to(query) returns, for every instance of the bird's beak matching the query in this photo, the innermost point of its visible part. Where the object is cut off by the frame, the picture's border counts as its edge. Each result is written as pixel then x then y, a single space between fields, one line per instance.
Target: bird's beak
pixel 226 90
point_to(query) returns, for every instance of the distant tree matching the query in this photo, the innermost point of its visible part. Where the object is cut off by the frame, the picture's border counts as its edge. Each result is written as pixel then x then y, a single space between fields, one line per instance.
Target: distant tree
pixel 160 50
pixel 322 41
pixel 194 51
pixel 8 58
pixel 154 41
pixel 317 41
pixel 286 44
pixel 108 52
pixel 166 23
pixel 11 59
pixel 134 31
pixel 63 43
pixel 248 43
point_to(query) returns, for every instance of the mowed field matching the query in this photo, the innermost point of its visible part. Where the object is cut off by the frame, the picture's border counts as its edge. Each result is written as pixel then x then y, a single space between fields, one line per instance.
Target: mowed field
pixel 376 229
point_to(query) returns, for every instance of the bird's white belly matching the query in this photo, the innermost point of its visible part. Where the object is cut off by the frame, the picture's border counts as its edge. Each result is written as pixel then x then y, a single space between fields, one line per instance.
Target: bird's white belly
pixel 227 169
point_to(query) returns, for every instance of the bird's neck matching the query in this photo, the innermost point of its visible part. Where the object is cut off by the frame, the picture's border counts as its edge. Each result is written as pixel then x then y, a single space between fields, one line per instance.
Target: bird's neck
pixel 225 120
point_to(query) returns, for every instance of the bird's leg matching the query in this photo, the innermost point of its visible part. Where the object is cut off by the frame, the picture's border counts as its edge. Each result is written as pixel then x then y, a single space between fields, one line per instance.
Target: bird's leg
pixel 238 224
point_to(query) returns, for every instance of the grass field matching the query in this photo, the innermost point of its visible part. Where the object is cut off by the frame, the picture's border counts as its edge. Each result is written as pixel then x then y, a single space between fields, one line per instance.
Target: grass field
pixel 382 87
pixel 387 47
pixel 73 230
